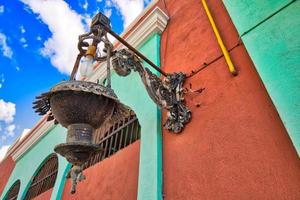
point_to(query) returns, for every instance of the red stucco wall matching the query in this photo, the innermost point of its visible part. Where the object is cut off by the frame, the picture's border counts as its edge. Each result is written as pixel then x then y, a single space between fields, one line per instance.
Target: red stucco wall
pixel 6 167
pixel 113 178
pixel 45 195
pixel 236 146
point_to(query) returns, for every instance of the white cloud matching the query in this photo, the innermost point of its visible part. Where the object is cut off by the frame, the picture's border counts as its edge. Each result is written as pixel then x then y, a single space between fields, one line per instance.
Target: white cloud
pixel 7 111
pixel 87 22
pixel 1 9
pixel 17 68
pixel 108 3
pixel 2 79
pixel 38 38
pixel 22 29
pixel 129 9
pixel 65 26
pixel 3 137
pixel 6 50
pixel 23 40
pixel 24 133
pixel 10 130
pixel 85 5
pixel 3 151
pixel 107 12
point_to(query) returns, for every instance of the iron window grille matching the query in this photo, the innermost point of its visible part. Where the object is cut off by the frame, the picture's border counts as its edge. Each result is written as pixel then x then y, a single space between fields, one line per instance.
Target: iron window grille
pixel 44 179
pixel 114 138
pixel 13 191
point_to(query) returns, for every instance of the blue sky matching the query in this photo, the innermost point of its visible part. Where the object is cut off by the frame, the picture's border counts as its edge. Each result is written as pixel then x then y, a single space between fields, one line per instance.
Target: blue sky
pixel 38 41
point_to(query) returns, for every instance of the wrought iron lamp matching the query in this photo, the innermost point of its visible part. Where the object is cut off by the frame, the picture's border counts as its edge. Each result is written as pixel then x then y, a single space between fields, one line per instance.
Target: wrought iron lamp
pixel 83 106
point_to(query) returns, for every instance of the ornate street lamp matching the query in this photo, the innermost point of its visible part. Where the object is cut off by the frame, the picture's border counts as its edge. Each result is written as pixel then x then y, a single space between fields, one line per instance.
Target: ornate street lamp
pixel 83 106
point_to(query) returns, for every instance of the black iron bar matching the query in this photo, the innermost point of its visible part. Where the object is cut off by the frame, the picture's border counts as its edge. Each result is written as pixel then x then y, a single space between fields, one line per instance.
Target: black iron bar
pixel 44 180
pixel 118 136
pixel 132 132
pixel 137 132
pixel 121 135
pixel 135 51
pixel 75 68
pixel 108 76
pixel 41 180
pixel 126 134
pixel 116 140
pixel 112 132
pixel 109 147
pixel 105 150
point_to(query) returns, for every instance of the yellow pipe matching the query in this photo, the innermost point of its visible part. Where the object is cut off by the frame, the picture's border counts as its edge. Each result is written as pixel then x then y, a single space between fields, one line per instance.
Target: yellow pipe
pixel 220 41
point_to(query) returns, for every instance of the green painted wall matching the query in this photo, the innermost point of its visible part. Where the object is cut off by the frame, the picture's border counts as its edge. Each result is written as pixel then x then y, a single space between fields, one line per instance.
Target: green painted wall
pixel 132 92
pixel 274 47
pixel 30 162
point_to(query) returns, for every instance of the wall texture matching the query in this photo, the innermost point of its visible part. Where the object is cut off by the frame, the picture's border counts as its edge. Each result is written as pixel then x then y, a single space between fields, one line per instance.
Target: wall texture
pixel 45 195
pixel 115 177
pixel 6 167
pixel 30 162
pixel 275 50
pixel 236 146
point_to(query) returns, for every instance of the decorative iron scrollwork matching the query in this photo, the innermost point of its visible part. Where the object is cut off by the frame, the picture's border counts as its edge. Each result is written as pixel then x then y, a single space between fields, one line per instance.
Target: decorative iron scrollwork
pixel 166 93
pixel 82 106
pixel 76 175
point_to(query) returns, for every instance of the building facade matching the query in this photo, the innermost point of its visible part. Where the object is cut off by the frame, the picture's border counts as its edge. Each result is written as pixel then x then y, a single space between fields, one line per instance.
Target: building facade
pixel 244 135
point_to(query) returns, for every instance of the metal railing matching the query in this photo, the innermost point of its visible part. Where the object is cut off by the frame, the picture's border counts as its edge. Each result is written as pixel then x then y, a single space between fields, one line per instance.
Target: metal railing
pixel 13 191
pixel 114 138
pixel 44 179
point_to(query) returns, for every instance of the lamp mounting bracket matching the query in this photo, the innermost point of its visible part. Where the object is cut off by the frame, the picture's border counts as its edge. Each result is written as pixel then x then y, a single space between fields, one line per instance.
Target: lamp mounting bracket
pixel 167 93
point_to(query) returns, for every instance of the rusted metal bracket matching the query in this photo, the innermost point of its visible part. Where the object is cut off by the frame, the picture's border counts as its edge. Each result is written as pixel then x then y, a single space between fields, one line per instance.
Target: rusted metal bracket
pixel 166 93
pixel 82 106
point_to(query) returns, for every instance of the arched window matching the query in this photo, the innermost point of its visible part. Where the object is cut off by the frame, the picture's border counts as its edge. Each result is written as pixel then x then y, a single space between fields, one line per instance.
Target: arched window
pixel 44 179
pixel 13 191
pixel 115 137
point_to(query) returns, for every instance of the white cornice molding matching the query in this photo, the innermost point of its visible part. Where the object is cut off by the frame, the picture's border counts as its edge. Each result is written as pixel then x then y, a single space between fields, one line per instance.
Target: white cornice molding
pixel 35 137
pixel 155 22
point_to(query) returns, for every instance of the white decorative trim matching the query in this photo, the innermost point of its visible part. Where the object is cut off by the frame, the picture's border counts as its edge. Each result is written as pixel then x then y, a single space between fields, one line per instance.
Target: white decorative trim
pixel 137 19
pixel 154 22
pixel 35 137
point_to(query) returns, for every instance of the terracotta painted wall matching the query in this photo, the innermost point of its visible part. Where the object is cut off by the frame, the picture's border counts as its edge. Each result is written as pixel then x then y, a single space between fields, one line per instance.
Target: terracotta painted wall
pixel 28 165
pixel 6 167
pixel 236 146
pixel 45 195
pixel 113 178
pixel 274 48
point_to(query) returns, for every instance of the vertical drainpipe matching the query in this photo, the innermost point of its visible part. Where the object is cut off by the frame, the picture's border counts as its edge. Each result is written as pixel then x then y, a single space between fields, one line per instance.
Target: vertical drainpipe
pixel 231 67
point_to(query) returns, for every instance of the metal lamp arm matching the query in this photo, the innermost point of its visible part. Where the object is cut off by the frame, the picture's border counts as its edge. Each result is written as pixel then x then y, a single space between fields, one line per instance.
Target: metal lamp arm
pixel 166 93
